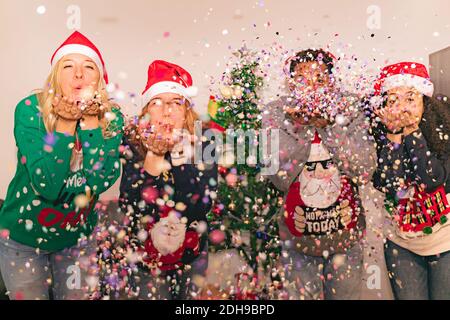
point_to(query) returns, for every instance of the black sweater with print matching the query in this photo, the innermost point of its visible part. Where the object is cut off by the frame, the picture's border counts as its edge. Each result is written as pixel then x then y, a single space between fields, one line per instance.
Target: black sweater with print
pixel 411 161
pixel 185 184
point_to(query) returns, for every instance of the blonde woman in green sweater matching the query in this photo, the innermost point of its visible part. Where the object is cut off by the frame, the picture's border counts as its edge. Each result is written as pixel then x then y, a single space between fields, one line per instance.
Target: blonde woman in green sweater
pixel 68 137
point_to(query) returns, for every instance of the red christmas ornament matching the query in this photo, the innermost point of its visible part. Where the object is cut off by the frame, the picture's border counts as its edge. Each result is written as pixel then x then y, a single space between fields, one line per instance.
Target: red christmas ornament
pixel 222 170
pixel 216 236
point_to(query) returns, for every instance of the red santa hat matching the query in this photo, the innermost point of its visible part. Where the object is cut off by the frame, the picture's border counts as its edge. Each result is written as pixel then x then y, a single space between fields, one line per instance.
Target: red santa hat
pixel 166 77
pixel 409 74
pixel 318 152
pixel 78 43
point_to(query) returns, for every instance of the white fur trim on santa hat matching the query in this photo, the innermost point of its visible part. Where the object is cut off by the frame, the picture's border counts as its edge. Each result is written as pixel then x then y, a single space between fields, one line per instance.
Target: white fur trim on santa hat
pixel 168 87
pixel 78 48
pixel 318 153
pixel 422 85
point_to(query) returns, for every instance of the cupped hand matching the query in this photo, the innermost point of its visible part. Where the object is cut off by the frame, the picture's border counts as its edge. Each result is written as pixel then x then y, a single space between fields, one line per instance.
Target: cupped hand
pixel 66 108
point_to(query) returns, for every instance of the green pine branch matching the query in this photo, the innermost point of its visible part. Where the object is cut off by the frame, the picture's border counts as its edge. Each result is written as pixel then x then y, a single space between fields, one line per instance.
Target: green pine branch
pixel 252 204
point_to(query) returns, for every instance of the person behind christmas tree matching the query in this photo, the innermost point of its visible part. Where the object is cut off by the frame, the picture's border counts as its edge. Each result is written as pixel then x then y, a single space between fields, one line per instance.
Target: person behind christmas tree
pixel 324 156
pixel 412 130
pixel 165 195
pixel 68 136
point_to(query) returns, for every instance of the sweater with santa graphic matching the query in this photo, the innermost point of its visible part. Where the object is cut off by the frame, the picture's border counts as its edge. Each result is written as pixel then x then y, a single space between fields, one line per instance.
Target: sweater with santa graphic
pixel 50 201
pixel 320 170
pixel 170 208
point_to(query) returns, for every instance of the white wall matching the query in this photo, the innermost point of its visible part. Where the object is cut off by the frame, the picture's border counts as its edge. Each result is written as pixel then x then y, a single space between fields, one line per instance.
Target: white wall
pixel 130 35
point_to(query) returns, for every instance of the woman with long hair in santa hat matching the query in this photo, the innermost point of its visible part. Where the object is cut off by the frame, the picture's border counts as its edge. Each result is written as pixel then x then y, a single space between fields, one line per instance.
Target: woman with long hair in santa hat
pixel 164 195
pixel 412 130
pixel 68 136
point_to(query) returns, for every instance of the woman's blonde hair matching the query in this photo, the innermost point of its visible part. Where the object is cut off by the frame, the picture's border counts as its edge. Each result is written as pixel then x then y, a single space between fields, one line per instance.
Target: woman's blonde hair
pixel 189 124
pixel 52 89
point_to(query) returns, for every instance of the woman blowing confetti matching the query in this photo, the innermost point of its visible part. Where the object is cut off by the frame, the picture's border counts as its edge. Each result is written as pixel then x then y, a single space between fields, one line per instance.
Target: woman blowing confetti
pixel 164 194
pixel 414 172
pixel 68 137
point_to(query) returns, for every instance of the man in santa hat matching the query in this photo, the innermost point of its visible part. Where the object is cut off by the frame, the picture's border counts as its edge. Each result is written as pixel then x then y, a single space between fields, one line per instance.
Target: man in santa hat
pixel 325 156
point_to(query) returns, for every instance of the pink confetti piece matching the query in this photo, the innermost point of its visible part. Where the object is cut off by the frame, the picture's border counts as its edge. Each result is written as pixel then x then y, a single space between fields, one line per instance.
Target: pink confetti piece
pixel 4 234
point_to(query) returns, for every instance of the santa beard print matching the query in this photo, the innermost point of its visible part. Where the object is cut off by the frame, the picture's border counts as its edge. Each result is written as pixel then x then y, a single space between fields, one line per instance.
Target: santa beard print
pixel 168 234
pixel 320 188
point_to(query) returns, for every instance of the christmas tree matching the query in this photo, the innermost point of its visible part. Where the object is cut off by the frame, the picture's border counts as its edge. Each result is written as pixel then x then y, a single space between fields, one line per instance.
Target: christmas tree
pixel 244 216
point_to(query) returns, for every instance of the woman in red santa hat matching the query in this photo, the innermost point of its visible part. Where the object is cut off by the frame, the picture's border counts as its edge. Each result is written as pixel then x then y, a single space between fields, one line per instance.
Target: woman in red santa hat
pixel 68 136
pixel 163 193
pixel 412 133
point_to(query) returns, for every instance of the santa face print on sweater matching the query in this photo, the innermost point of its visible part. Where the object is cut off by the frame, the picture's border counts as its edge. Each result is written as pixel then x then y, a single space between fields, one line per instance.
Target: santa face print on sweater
pixel 170 240
pixel 320 184
pixel 168 234
pixel 321 201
